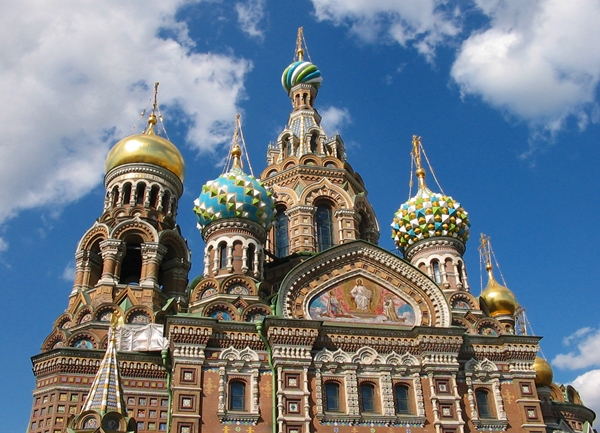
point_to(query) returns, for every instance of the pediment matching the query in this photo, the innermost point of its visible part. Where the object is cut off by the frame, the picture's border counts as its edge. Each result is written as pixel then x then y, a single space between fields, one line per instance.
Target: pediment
pixel 358 282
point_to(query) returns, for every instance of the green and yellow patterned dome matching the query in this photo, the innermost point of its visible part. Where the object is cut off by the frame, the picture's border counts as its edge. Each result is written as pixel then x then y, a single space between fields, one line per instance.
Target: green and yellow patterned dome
pixel 428 214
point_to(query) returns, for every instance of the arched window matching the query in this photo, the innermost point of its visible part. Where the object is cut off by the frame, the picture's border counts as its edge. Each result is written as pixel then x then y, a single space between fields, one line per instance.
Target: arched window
pixel 367 397
pixel 140 191
pixel 222 255
pixel 483 403
pixel 324 219
pixel 237 396
pixel 437 276
pixel 154 196
pixel 332 397
pixel 131 266
pixel 126 193
pixel 115 195
pixel 166 202
pixel 402 399
pixel 313 142
pixel 282 242
pixel 250 257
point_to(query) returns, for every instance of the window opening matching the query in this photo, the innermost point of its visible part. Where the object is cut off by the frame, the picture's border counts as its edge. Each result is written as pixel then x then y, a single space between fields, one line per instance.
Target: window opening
pixel 324 218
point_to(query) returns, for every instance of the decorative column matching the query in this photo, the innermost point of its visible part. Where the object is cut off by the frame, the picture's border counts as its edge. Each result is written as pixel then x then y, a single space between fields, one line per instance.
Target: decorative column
pixel 347 228
pixel 152 255
pixel 113 251
pixel 419 394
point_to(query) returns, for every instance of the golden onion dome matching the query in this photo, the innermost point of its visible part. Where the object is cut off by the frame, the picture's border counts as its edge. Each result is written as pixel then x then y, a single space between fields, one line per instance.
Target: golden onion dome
pixel 499 300
pixel 147 148
pixel 543 372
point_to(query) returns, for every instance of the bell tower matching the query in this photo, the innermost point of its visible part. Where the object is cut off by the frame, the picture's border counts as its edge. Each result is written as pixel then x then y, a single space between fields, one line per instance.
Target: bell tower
pixel 132 263
pixel 319 200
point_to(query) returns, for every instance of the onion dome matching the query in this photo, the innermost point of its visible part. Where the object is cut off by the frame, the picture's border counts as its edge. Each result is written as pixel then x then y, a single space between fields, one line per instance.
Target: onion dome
pixel 428 215
pixel 300 71
pixel 500 300
pixel 543 372
pixel 147 148
pixel 234 195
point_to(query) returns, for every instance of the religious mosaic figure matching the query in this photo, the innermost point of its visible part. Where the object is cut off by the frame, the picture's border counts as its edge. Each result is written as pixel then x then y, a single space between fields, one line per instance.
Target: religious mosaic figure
pixel 362 296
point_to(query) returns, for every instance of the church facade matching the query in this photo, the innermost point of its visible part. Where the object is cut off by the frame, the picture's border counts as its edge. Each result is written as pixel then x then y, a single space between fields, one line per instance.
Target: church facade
pixel 300 322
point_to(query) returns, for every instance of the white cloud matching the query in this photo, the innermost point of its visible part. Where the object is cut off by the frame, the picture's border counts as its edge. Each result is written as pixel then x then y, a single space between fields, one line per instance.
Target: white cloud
pixel 250 14
pixel 74 76
pixel 69 272
pixel 3 245
pixel 334 119
pixel 588 350
pixel 423 24
pixel 537 61
pixel 588 386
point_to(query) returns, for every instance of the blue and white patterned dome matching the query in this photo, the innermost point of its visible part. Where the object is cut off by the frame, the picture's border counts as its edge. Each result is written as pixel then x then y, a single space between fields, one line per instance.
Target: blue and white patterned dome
pixel 234 195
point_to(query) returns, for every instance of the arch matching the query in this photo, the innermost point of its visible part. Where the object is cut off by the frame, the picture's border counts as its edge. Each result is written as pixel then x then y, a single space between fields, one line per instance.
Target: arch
pixel 104 312
pixel 81 316
pixel 463 301
pixel 325 190
pixel 221 311
pixel 131 264
pixel 83 340
pixel 137 227
pixel 140 315
pixel 238 280
pixel 250 259
pixel 222 254
pixel 154 196
pixel 199 291
pixel 255 313
pixel 55 340
pixel 97 233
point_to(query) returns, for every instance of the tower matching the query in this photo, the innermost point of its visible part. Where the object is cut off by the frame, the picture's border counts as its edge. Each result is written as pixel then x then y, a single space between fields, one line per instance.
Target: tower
pixel 320 201
pixel 132 262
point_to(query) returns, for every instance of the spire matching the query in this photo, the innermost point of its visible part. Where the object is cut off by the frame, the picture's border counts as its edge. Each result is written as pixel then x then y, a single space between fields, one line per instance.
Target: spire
pixel 106 393
pixel 299 49
pixel 416 153
pixel 234 161
pixel 152 118
pixel 485 250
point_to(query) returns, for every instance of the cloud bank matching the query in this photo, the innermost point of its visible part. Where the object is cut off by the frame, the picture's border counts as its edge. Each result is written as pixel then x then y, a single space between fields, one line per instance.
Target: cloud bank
pixel 74 77
pixel 536 61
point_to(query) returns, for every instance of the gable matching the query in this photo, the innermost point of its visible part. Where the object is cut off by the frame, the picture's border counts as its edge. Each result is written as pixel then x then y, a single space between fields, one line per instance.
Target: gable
pixel 358 282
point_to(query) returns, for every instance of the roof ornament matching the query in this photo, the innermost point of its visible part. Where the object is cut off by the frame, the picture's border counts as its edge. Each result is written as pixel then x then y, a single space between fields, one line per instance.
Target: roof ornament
pixel 237 150
pixel 417 149
pixel 301 47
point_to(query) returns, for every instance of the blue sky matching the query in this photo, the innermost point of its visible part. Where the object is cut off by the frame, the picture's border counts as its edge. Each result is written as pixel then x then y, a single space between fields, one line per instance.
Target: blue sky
pixel 504 95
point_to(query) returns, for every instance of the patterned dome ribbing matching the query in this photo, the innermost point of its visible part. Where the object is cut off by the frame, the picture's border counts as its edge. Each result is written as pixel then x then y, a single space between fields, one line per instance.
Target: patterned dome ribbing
pixel 234 195
pixel 301 72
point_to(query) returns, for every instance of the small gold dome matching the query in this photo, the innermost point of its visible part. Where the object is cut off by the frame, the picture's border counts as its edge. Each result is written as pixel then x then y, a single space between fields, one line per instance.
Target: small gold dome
pixel 543 372
pixel 499 300
pixel 147 148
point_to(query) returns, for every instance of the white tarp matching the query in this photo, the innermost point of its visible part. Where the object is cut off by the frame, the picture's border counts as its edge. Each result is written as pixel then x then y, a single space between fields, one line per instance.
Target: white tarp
pixel 141 338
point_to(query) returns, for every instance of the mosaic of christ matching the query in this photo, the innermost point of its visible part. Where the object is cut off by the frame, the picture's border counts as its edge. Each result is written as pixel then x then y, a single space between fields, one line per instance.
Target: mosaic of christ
pixel 360 300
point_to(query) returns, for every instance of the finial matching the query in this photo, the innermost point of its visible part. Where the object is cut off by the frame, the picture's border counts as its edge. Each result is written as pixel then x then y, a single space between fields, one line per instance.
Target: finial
pixel 299 49
pixel 486 252
pixel 236 150
pixel 416 142
pixel 116 321
pixel 152 118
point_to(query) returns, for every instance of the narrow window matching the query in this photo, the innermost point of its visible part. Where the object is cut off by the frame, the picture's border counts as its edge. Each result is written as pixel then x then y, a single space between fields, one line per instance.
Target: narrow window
pixel 250 257
pixel 332 397
pixel 437 276
pixel 237 396
pixel 282 243
pixel 324 218
pixel 222 255
pixel 367 396
pixel 402 399
pixel 313 142
pixel 483 404
pixel 166 203
pixel 126 193
pixel 154 197
pixel 140 192
pixel 115 195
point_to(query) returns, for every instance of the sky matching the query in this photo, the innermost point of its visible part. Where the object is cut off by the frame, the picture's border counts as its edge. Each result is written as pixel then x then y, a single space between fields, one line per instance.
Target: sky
pixel 504 95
